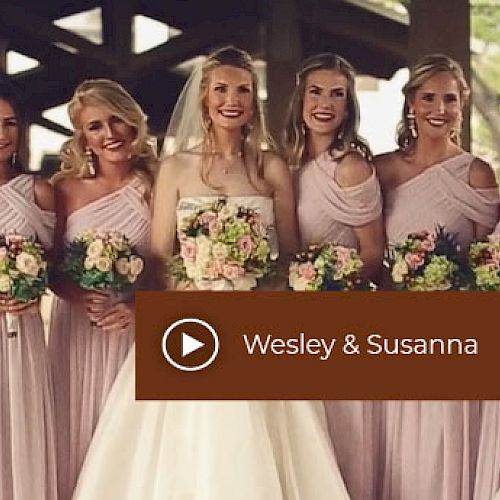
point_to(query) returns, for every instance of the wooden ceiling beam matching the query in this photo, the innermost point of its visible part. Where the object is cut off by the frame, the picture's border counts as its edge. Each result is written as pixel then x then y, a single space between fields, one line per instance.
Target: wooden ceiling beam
pixel 24 22
pixel 117 19
pixel 192 42
pixel 362 26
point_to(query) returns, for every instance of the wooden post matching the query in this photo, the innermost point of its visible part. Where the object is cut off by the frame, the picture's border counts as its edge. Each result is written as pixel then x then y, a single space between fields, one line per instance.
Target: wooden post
pixel 3 55
pixel 442 26
pixel 283 56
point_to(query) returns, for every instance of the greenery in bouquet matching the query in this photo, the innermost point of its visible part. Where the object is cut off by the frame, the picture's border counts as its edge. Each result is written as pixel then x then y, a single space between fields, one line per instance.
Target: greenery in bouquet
pixel 222 246
pixel 427 261
pixel 327 267
pixel 23 267
pixel 484 262
pixel 102 260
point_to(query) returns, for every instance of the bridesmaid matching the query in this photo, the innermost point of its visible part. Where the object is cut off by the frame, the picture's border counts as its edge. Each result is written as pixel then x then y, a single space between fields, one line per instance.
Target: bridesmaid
pixel 105 181
pixel 27 434
pixel 338 201
pixel 430 447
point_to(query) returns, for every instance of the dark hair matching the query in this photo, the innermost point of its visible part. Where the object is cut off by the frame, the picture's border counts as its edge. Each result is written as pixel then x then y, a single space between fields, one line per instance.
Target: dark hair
pixel 10 95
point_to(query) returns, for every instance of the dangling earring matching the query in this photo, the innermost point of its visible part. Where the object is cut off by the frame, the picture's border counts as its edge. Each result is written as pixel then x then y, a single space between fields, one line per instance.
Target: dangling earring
pixel 411 123
pixel 90 161
pixel 340 135
pixel 13 159
pixel 303 128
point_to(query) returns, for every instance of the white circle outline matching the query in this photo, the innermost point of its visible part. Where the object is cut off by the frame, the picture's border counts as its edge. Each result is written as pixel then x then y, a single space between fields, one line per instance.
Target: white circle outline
pixel 175 324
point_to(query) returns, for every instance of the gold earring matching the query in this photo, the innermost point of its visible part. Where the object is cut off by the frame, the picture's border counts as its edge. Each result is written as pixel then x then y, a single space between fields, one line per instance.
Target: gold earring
pixel 412 124
pixel 90 161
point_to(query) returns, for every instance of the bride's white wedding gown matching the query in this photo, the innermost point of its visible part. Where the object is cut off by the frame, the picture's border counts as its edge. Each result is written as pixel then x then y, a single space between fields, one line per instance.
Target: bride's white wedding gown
pixel 209 450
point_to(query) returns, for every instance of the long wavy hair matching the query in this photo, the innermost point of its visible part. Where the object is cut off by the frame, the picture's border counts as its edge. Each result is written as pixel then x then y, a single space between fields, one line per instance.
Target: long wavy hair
pixel 424 69
pixel 255 138
pixel 103 92
pixel 346 138
pixel 9 94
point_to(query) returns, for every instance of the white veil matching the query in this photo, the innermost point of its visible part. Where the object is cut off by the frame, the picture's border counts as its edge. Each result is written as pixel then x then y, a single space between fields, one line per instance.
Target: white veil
pixel 185 128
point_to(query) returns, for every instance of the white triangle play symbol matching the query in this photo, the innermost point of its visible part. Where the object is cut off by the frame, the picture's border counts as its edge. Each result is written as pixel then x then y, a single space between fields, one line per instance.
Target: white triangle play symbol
pixel 190 344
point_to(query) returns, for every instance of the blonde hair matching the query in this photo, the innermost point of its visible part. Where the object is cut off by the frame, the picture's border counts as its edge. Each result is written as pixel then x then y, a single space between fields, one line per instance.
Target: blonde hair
pixel 424 69
pixel 347 138
pixel 103 92
pixel 255 136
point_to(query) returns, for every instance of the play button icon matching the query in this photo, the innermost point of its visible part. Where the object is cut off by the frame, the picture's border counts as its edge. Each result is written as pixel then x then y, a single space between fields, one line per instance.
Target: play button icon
pixel 190 344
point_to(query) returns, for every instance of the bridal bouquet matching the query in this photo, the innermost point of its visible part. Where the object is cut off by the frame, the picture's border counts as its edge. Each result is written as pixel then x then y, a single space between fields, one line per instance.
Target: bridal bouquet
pixel 223 246
pixel 426 261
pixel 23 273
pixel 102 260
pixel 484 261
pixel 327 267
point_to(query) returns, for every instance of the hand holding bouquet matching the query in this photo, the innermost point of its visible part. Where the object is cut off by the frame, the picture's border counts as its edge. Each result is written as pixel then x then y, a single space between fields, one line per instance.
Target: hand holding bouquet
pixel 23 273
pixel 223 246
pixel 426 261
pixel 484 261
pixel 327 267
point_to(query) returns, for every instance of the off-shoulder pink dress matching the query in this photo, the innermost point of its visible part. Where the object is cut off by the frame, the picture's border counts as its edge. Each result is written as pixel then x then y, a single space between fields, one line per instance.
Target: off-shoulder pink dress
pixel 430 447
pixel 328 213
pixel 85 360
pixel 27 434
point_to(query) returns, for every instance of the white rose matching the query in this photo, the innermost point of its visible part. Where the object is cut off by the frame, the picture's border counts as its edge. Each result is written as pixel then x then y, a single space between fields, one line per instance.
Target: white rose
pixel 299 284
pixel 132 278
pixel 103 264
pixel 4 283
pixel 136 265
pixel 227 211
pixel 219 251
pixel 203 247
pixel 95 249
pixel 122 266
pixel 117 241
pixel 27 264
pixel 89 263
pixel 399 271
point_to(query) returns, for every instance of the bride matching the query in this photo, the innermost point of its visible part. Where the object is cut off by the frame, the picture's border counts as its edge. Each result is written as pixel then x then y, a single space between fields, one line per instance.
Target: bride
pixel 210 450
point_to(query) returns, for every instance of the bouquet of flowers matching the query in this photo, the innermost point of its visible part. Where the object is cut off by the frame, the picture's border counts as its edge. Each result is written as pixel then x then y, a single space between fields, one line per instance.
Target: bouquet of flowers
pixel 484 261
pixel 223 246
pixel 102 261
pixel 327 267
pixel 23 273
pixel 426 261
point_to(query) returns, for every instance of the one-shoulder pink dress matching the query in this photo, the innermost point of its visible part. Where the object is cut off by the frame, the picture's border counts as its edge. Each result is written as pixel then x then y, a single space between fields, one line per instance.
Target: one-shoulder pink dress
pixel 27 434
pixel 85 360
pixel 430 447
pixel 328 213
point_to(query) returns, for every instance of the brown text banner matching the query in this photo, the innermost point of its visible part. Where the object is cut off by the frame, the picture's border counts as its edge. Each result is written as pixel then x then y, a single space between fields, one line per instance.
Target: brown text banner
pixel 331 345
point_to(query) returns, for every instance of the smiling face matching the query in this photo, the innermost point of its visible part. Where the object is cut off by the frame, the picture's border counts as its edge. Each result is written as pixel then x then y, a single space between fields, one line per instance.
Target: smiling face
pixel 325 101
pixel 437 106
pixel 230 97
pixel 106 134
pixel 9 131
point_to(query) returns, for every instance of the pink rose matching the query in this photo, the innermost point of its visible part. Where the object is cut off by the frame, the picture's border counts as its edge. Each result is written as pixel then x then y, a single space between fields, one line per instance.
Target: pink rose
pixel 245 244
pixel 207 217
pixel 215 269
pixel 214 226
pixel 232 271
pixel 414 260
pixel 307 271
pixel 188 250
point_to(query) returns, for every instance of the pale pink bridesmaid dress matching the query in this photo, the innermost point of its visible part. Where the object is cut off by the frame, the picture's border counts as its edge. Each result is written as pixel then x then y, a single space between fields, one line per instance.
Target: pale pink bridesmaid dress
pixel 85 360
pixel 328 213
pixel 27 434
pixel 430 447
pixel 488 463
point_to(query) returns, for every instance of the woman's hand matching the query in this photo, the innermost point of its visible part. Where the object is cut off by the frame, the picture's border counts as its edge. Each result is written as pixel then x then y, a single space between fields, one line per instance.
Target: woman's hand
pixel 95 302
pixel 117 318
pixel 13 306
